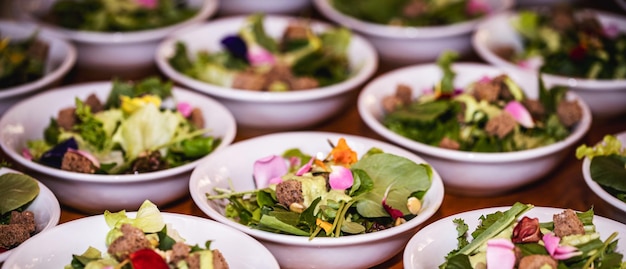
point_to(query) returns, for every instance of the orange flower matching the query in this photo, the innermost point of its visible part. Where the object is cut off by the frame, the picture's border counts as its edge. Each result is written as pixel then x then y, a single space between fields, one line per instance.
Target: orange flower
pixel 342 154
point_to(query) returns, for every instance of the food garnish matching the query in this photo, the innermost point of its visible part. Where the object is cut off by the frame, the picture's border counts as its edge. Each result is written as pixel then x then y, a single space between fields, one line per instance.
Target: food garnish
pixel 607 165
pixel 489 115
pixel 253 60
pixel 146 242
pixel 137 129
pixel 119 15
pixel 336 195
pixel 514 239
pixel 16 223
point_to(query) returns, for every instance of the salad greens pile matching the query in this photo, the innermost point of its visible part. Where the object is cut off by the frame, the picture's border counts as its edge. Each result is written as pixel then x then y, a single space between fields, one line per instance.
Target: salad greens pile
pixel 140 129
pixel 490 115
pixel 22 61
pixel 608 165
pixel 566 42
pixel 303 195
pixel 119 15
pixel 413 12
pixel 501 236
pixel 253 60
pixel 163 252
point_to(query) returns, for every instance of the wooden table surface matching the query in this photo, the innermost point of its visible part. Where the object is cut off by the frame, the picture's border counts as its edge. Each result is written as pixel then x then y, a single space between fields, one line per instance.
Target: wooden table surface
pixel 564 187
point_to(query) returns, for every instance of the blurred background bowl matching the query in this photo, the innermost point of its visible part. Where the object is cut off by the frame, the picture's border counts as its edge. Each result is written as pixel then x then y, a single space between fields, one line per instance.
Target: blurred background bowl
pixel 233 167
pixel 469 173
pixel 108 54
pixel 61 58
pixel 606 98
pixel 94 193
pixel 403 45
pixel 270 110
pixel 45 208
pixel 239 250
pixel 617 205
pixel 243 7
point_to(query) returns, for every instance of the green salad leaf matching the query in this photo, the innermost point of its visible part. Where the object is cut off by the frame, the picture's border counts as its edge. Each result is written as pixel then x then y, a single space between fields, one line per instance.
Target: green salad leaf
pixel 16 191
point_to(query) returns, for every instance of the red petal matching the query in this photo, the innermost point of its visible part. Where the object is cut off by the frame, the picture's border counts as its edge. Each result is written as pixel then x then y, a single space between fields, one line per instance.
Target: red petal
pixel 147 259
pixel 526 231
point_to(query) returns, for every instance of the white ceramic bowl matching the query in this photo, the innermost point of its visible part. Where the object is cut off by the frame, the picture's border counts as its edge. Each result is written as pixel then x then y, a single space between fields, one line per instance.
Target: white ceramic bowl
pixel 61 59
pixel 410 45
pixel 127 54
pixel 618 205
pixel 241 7
pixel 428 247
pixel 95 193
pixel 606 98
pixel 469 173
pixel 45 207
pixel 234 164
pixel 239 249
pixel 271 110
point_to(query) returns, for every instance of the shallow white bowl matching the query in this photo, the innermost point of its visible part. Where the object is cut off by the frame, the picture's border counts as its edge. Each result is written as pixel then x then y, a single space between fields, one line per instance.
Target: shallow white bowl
pixel 61 59
pixel 272 110
pixel 410 45
pixel 45 207
pixel 606 98
pixel 239 249
pixel 113 53
pixel 428 247
pixel 469 173
pixel 96 193
pixel 618 205
pixel 241 7
pixel 234 164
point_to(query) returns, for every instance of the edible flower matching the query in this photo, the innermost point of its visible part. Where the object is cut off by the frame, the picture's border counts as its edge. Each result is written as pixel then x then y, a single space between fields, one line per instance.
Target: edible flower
pixel 520 114
pixel 150 4
pixel 305 168
pixel 500 254
pixel 236 46
pixel 130 105
pixel 527 230
pixel 268 170
pixel 87 155
pixel 340 178
pixel 394 213
pixel 477 7
pixel 184 108
pixel 342 154
pixel 147 259
pixel 327 226
pixel 557 251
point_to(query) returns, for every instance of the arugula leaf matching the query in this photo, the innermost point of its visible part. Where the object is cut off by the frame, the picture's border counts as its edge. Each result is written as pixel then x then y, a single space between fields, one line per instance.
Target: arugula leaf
pixel 273 222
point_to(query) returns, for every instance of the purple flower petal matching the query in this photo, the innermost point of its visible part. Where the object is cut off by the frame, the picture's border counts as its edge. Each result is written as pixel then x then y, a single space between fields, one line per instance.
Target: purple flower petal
pixel 184 108
pixel 340 178
pixel 305 168
pixel 394 213
pixel 236 47
pixel 268 168
pixel 520 114
pixel 500 254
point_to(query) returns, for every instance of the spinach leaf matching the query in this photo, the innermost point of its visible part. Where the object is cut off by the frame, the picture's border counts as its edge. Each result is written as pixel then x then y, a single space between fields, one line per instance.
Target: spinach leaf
pixel 16 191
pixel 609 171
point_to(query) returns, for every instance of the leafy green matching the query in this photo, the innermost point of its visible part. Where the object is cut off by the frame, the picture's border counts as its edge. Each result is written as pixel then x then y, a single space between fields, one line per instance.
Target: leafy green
pixel 22 61
pixel 16 191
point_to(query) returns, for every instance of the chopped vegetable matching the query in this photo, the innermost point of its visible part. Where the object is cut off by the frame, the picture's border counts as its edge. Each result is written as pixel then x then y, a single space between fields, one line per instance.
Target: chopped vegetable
pixel 22 61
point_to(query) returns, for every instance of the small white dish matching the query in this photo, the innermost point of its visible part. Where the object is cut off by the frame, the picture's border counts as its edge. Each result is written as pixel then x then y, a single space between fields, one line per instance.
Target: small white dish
pixel 234 166
pixel 74 237
pixel 61 59
pixel 428 247
pixel 95 193
pixel 45 207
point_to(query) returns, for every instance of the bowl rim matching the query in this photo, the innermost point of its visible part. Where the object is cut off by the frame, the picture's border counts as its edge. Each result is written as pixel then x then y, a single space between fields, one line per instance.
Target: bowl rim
pixel 595 187
pixel 170 215
pixel 227 139
pixel 207 9
pixel 435 193
pixel 466 156
pixel 580 84
pixel 55 214
pixel 52 75
pixel 403 32
pixel 364 71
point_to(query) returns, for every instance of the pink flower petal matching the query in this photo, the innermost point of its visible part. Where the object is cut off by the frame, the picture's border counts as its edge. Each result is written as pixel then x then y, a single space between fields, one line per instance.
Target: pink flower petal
pixel 500 254
pixel 533 63
pixel 484 79
pixel 268 168
pixel 184 108
pixel 475 7
pixel 520 114
pixel 611 30
pixel 340 178
pixel 258 55
pixel 148 3
pixel 394 213
pixel 556 251
pixel 26 154
pixel 87 155
pixel 306 167
pixel 551 242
